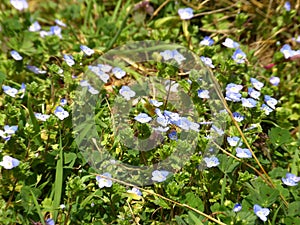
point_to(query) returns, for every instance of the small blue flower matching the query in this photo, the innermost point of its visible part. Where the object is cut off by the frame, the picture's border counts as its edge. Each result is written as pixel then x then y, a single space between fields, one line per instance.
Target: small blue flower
pixel 61 113
pixel 19 4
pixel 249 102
pixel 69 60
pixel 16 55
pixel 84 83
pixel 237 207
pixel 234 141
pixel 105 67
pixel 9 162
pixel 271 102
pixel 35 70
pixel 207 41
pixel 238 117
pixel 229 43
pixel 232 96
pixel 203 93
pixel 60 23
pixel 92 90
pixel 55 30
pixel 290 179
pixel 183 123
pixel 211 161
pixel 274 81
pixel 217 130
pixel 8 132
pixel 243 153
pixel 186 13
pixel 136 191
pixel 104 181
pixel 266 109
pixel 50 221
pixel 173 135
pixel 234 88
pixel 143 118
pixel 171 116
pixel 86 50
pixel 161 129
pixel 253 93
pixel 42 117
pixel 262 213
pixel 256 84
pixel 45 33
pixel 10 91
pixel 162 120
pixel 126 92
pixel 35 27
pixel 287 51
pixel 155 103
pixel 239 56
pixel 118 72
pixel 287 6
pixel 63 102
pixel 207 61
pixel 159 175
pixel 172 54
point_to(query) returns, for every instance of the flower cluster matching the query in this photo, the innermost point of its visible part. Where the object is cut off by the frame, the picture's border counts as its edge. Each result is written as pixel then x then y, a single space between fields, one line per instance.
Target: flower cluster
pixel 172 54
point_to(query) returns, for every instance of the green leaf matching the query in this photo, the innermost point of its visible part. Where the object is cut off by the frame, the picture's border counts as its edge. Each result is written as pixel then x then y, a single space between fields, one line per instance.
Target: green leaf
pixel 294 209
pixel 194 218
pixel 161 202
pixel 194 201
pixel 2 77
pixel 279 136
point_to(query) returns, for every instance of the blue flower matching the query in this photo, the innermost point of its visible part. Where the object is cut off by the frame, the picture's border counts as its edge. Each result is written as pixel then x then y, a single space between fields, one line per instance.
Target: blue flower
pixel 194 126
pixel 211 161
pixel 266 109
pixel 243 153
pixel 173 135
pixel 92 90
pixel 118 72
pixel 104 181
pixel 19 4
pixel 161 129
pixel 9 162
pixel 143 118
pixel 207 61
pixel 86 50
pixel 10 91
pixel 16 55
pixel 217 130
pixel 60 23
pixel 42 117
pixel 105 67
pixel 8 132
pixel 63 102
pixel 229 43
pixel 126 92
pixel 50 221
pixel 262 213
pixel 183 123
pixel 159 175
pixel 235 88
pixel 155 103
pixel 84 83
pixel 35 70
pixel 203 94
pixel 287 51
pixel 274 81
pixel 99 72
pixel 69 60
pixel 55 30
pixel 253 93
pixel 232 96
pixel 290 179
pixel 61 113
pixel 239 56
pixel 172 54
pixel 172 117
pixel 249 102
pixel 270 101
pixel 256 84
pixel 136 191
pixel 234 141
pixel 237 207
pixel 287 6
pixel 238 117
pixel 162 120
pixel 207 41
pixel 34 27
pixel 186 13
